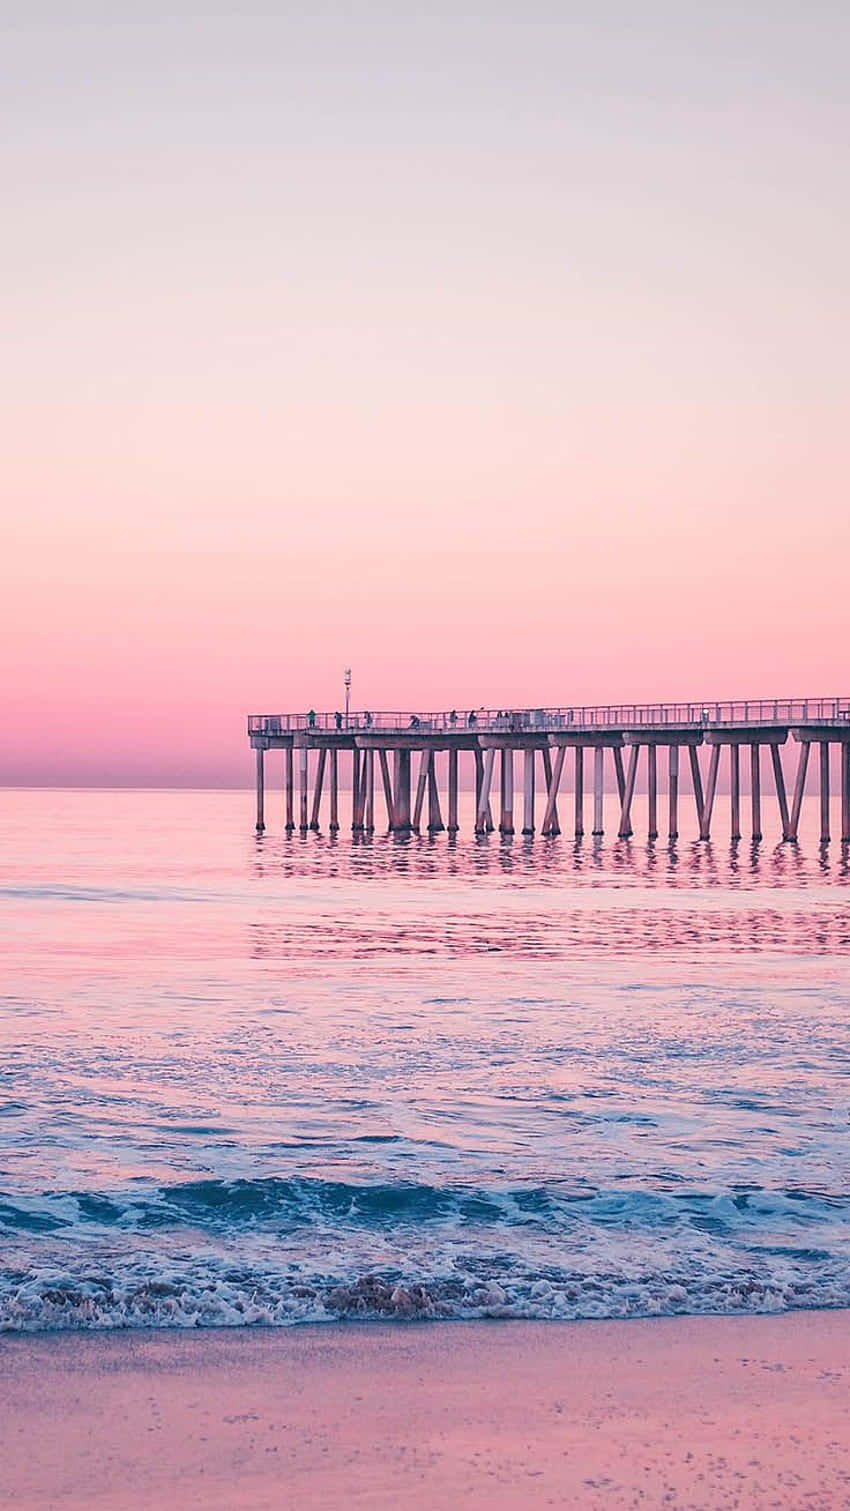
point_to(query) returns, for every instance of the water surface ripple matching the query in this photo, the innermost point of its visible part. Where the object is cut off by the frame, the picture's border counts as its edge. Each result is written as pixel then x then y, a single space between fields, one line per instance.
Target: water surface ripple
pixel 264 1081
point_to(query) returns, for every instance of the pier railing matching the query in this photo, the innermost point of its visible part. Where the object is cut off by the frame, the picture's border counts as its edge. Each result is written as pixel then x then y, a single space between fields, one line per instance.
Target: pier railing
pixel 753 713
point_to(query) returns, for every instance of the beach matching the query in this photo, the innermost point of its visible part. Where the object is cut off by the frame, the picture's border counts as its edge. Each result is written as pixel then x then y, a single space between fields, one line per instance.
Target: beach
pixel 704 1413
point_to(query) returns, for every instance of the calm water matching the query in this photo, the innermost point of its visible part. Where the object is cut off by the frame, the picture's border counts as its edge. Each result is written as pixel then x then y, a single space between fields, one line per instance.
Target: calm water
pixel 267 1081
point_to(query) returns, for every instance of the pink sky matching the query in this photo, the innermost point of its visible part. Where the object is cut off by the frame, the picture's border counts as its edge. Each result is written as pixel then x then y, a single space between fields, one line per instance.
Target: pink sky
pixel 500 361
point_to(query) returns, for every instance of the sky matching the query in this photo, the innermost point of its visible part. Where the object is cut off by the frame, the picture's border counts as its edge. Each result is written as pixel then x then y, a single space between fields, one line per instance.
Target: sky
pixel 498 352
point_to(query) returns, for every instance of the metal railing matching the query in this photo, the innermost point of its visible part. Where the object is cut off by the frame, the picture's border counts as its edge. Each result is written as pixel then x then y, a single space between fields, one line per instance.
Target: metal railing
pixel 769 712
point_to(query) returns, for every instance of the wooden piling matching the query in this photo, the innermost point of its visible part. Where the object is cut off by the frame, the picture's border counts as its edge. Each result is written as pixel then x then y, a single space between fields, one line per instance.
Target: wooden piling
pixel 755 788
pixel 261 793
pixel 673 794
pixel 735 789
pixel 824 792
pixel 289 786
pixel 598 789
pixel 453 823
pixel 506 817
pixel 529 757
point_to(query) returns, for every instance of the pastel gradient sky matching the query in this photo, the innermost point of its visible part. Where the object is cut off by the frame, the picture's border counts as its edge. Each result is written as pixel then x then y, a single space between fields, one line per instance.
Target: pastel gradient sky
pixel 499 352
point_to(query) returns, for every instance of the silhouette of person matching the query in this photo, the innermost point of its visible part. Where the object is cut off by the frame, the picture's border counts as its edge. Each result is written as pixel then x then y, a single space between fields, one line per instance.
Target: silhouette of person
pixel 338 720
pixel 311 718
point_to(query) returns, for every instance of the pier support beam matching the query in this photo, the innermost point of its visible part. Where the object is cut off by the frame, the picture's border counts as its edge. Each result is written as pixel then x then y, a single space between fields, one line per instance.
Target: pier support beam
pixel 401 795
pixel 652 788
pixel 799 789
pixel 710 790
pixel 755 788
pixel 453 823
pixel 317 791
pixel 625 829
pixel 425 760
pixel 696 782
pixel 435 817
pixel 598 779
pixel 550 817
pixel 845 791
pixel 824 792
pixel 555 827
pixel 369 794
pixel 506 817
pixel 673 795
pixel 482 813
pixel 779 783
pixel 383 761
pixel 302 788
pixel 356 796
pixel 528 758
pixel 261 795
pixel 289 789
pixel 334 820
pixel 735 789
pixel 619 772
pixel 579 792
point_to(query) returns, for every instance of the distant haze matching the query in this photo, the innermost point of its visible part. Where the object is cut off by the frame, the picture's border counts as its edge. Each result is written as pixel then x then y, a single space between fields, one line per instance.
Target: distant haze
pixel 500 354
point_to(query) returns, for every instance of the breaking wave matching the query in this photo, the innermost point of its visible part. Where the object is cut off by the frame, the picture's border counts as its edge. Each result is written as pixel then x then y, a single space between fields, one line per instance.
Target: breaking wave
pixel 275 1252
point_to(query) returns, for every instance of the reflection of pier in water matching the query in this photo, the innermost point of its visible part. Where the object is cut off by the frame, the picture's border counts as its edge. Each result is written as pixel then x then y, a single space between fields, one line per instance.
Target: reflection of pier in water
pixel 381 749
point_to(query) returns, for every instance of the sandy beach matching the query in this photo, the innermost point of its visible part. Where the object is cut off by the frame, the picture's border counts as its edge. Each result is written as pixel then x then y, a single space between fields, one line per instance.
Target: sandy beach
pixel 703 1413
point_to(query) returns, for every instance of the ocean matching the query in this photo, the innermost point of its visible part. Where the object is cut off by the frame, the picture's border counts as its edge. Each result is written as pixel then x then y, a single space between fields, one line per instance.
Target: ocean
pixel 287 1079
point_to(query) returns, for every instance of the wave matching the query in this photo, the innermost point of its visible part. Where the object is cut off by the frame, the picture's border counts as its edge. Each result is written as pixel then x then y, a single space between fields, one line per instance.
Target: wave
pixel 181 1292
pixel 274 1251
pixel 250 1203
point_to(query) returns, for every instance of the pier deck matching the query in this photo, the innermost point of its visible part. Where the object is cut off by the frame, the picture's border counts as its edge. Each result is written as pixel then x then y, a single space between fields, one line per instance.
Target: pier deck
pixel 380 747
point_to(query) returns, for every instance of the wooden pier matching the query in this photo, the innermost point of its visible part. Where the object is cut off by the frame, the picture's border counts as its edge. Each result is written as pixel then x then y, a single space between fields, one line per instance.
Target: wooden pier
pixel 525 753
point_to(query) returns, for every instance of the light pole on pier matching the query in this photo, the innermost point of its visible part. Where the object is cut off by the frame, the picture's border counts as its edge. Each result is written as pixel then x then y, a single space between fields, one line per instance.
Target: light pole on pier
pixel 346 677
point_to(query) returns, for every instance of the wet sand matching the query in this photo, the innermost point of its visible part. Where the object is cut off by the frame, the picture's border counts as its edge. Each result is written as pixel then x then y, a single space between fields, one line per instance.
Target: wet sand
pixel 703 1413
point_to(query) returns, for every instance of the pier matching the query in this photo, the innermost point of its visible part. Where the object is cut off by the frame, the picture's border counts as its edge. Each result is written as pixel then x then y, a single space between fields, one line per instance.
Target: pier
pixel 519 760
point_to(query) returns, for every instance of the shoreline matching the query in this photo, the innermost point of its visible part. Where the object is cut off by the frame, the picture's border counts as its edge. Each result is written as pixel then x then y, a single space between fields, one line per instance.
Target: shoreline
pixel 698 1412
